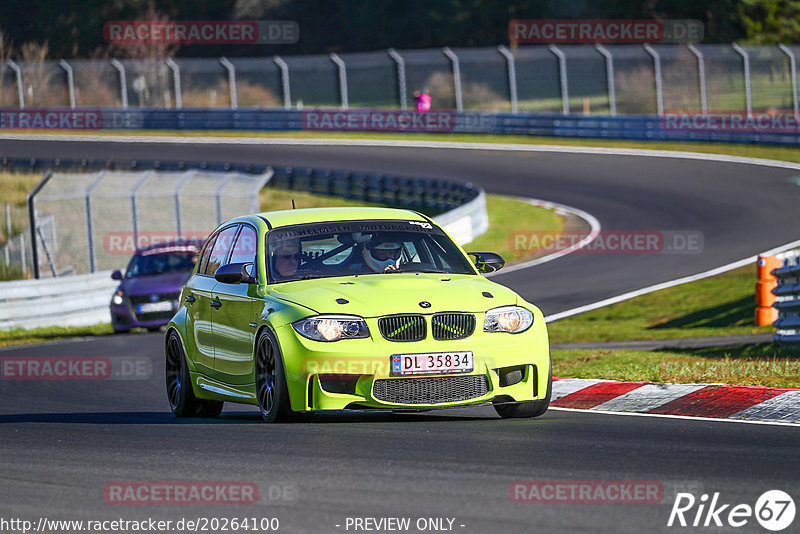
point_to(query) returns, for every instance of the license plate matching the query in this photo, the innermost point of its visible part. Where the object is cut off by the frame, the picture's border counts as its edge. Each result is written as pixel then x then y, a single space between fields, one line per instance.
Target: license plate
pixel 431 363
pixel 151 307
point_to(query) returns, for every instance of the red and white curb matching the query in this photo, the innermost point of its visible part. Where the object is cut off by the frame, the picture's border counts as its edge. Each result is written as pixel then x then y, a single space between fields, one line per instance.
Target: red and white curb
pixel 718 401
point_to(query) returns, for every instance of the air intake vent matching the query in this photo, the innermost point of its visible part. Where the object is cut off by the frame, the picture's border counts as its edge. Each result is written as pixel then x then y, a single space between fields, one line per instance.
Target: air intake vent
pixel 446 326
pixel 402 327
pixel 431 390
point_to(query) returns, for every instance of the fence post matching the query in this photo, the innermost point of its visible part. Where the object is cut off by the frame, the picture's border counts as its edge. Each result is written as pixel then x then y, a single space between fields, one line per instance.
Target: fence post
pixel 22 254
pixel 701 76
pixel 32 220
pixel 20 92
pixel 562 72
pixel 401 76
pixel 8 231
pixel 287 96
pixel 793 66
pixel 456 76
pixel 659 81
pixel 512 77
pixel 89 226
pixel 231 80
pixel 176 79
pixel 748 93
pixel 342 79
pixel 189 175
pixel 217 194
pixel 134 216
pixel 612 95
pixel 70 82
pixel 122 82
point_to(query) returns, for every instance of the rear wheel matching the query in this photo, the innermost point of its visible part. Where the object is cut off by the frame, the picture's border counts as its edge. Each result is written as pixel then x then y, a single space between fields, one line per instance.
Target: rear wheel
pixel 180 395
pixel 527 408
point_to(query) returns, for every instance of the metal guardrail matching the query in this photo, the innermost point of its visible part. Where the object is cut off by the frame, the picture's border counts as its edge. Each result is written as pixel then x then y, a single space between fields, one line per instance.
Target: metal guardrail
pixel 787 298
pixel 84 299
pixel 69 301
pixel 783 129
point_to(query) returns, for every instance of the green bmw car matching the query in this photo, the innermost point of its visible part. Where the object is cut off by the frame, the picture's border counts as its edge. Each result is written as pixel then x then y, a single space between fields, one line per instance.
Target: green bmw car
pixel 334 309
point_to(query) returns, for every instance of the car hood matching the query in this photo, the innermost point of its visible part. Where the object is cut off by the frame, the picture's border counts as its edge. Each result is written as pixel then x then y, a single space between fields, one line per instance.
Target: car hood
pixel 157 283
pixel 386 294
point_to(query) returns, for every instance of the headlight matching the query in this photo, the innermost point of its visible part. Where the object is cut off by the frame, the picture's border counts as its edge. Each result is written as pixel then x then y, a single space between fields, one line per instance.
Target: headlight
pixel 513 319
pixel 332 327
pixel 118 297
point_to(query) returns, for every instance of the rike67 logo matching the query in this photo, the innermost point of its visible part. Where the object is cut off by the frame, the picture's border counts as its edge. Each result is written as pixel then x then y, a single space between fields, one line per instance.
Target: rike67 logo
pixel 774 510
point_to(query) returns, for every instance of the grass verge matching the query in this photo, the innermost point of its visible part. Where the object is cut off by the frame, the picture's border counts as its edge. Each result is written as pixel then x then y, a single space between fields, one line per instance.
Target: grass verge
pixel 716 306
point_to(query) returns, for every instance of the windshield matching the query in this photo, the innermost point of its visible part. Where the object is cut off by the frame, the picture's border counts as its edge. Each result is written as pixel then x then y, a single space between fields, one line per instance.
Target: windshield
pixel 152 264
pixel 322 250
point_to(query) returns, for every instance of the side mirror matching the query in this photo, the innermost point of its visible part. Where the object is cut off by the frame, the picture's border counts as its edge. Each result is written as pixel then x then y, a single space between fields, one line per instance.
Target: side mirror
pixel 488 262
pixel 116 275
pixel 234 273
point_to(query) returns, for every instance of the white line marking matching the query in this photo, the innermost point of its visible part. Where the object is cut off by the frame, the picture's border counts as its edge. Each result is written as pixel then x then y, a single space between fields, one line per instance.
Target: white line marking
pixel 686 417
pixel 591 220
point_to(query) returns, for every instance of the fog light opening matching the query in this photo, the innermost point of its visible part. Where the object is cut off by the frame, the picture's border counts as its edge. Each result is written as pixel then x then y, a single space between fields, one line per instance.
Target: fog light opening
pixel 511 375
pixel 342 384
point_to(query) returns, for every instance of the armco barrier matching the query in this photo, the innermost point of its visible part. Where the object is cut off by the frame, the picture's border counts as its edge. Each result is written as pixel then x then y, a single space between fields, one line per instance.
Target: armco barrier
pixel 787 300
pixel 634 127
pixel 84 299
pixel 68 301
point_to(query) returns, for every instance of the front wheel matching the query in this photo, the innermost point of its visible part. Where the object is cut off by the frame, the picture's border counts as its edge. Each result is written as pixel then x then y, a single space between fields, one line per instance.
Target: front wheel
pixel 527 408
pixel 271 390
pixel 180 395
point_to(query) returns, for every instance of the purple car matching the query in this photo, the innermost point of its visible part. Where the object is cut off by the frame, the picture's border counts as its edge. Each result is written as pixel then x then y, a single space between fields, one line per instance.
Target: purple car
pixel 148 294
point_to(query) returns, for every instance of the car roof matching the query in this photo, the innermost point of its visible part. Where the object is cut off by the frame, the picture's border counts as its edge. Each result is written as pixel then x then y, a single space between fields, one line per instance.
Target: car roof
pixel 178 246
pixel 277 219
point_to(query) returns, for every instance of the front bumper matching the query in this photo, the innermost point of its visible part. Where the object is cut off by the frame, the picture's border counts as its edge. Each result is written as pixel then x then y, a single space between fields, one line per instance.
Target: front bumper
pixel 363 365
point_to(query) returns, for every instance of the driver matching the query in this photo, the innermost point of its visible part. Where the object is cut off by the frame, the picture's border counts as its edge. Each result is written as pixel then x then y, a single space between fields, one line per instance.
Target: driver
pixel 381 254
pixel 285 257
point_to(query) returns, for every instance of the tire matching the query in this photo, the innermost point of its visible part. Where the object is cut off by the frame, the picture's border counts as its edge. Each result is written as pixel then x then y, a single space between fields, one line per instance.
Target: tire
pixel 180 395
pixel 526 409
pixel 272 393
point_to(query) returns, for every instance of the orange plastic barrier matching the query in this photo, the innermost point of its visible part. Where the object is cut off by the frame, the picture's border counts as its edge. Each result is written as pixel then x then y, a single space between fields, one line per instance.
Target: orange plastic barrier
pixel 765 313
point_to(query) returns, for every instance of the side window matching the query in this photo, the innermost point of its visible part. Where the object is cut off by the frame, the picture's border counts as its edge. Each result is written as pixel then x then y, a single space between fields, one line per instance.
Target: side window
pixel 219 252
pixel 206 254
pixel 244 251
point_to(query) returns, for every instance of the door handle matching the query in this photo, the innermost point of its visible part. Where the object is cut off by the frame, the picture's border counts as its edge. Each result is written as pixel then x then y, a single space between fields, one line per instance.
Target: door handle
pixel 190 298
pixel 215 304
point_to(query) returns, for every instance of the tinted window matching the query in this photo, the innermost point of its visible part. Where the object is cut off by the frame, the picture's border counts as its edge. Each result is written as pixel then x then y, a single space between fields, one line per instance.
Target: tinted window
pixel 206 254
pixel 151 264
pixel 244 250
pixel 219 252
pixel 343 248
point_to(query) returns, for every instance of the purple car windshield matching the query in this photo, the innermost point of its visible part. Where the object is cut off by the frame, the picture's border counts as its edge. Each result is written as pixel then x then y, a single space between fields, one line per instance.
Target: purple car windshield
pixel 152 264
